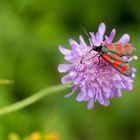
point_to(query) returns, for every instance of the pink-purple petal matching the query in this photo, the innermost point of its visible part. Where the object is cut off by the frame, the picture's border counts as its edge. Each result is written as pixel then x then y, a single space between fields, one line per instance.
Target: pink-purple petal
pixel 110 38
pixel 99 39
pixel 99 35
pixel 118 93
pixel 82 42
pixel 73 74
pixel 73 44
pixel 65 79
pixel 90 103
pixel 68 58
pixel 106 102
pixel 81 96
pixel 107 92
pixel 134 70
pixel 64 67
pixel 90 93
pixel 124 39
pixel 99 96
pixel 101 29
pixel 72 92
pixel 64 50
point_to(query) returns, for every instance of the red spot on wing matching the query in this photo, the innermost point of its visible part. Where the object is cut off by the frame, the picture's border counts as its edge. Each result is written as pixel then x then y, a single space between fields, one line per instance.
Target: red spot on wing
pixel 127 47
pixel 123 69
pixel 109 46
pixel 118 47
pixel 106 57
pixel 116 63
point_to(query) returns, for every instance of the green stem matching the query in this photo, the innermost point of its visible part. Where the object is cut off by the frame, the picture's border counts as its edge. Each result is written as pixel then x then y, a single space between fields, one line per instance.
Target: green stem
pixel 30 100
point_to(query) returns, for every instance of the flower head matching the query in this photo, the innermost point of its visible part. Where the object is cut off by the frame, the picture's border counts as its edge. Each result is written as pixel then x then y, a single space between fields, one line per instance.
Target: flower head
pixel 94 78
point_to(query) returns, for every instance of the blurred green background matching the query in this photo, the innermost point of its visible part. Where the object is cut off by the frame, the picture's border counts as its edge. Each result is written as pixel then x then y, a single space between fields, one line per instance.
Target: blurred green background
pixel 30 32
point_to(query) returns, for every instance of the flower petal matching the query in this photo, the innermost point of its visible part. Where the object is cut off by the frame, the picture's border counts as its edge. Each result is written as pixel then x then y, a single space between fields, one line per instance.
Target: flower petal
pixel 110 38
pixel 107 92
pixel 134 70
pixel 74 45
pixel 101 29
pixel 124 39
pixel 131 58
pixel 99 39
pixel 68 58
pixel 82 42
pixel 64 50
pixel 64 67
pixel 90 103
pixel 118 93
pixel 72 92
pixel 128 86
pixel 73 74
pixel 65 79
pixel 77 80
pixel 90 92
pixel 106 101
pixel 81 96
pixel 99 96
pixel 100 34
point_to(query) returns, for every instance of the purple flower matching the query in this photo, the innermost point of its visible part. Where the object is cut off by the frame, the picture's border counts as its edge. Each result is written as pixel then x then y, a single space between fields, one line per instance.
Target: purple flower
pixel 95 81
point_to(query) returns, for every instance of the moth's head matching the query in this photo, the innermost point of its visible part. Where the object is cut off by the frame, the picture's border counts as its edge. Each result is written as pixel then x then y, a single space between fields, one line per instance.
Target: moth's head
pixel 97 48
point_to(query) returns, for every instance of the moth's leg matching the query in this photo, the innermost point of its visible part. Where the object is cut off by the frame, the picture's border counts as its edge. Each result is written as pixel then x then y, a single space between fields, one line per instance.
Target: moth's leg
pixel 102 64
pixel 81 61
pixel 92 57
pixel 99 60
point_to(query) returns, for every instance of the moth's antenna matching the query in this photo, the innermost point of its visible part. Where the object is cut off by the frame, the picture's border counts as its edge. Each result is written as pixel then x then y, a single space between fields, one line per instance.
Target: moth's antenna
pixel 83 28
pixel 87 34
